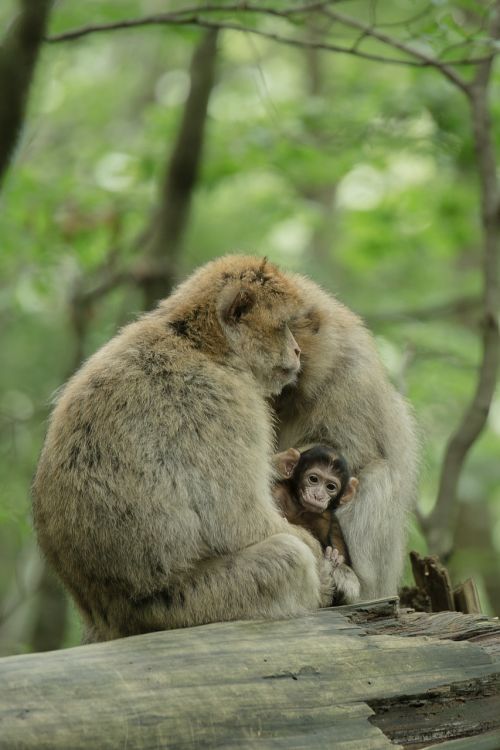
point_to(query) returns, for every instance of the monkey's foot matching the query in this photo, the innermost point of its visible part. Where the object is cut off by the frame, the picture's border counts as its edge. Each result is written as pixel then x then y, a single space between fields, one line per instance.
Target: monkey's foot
pixel 347 586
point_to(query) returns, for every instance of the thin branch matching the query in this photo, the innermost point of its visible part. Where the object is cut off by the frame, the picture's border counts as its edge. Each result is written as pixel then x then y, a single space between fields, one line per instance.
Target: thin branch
pixel 483 71
pixel 408 49
pixel 187 15
pixel 406 22
pixel 105 284
pixel 470 41
pixel 194 17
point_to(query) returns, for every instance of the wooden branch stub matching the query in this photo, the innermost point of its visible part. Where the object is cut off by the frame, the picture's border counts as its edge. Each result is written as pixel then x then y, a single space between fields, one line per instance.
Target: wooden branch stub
pixel 433 578
pixel 466 598
pixel 434 592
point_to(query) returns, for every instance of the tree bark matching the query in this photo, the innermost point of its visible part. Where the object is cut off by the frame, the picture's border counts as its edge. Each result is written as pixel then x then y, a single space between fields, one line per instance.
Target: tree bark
pixel 18 56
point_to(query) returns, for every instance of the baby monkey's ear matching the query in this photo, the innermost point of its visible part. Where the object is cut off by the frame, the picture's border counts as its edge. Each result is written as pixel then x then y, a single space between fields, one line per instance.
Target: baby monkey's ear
pixel 285 462
pixel 350 490
pixel 234 302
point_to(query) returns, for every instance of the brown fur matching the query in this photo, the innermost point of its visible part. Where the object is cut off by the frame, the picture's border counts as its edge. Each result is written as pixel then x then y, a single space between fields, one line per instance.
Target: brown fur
pixel 152 494
pixel 343 398
pixel 323 526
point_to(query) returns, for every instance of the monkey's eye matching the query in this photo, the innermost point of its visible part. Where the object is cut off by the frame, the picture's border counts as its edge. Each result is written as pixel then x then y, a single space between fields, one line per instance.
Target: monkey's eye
pixel 313 479
pixel 331 488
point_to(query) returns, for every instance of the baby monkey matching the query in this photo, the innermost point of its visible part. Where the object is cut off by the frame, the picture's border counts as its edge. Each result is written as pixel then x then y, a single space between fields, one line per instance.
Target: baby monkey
pixel 312 485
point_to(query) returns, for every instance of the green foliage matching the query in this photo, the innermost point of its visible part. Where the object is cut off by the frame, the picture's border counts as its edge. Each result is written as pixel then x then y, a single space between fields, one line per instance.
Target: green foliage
pixel 363 177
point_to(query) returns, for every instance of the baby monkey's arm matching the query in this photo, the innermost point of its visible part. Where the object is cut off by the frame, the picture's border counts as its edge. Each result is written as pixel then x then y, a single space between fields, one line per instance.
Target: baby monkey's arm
pixel 336 538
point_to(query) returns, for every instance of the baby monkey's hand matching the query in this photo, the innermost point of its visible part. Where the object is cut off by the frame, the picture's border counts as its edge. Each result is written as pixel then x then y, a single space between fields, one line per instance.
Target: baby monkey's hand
pixel 333 555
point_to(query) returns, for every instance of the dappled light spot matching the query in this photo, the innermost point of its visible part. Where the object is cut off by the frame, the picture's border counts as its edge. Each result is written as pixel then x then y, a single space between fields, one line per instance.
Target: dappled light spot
pixel 114 172
pixel 172 88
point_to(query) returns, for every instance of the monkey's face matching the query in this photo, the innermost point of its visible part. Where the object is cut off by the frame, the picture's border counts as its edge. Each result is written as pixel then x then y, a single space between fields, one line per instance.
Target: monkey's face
pixel 272 354
pixel 255 320
pixel 318 487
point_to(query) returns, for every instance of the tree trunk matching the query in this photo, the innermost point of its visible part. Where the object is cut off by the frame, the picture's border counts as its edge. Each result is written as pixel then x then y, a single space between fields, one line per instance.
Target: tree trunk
pixel 163 244
pixel 440 525
pixel 18 56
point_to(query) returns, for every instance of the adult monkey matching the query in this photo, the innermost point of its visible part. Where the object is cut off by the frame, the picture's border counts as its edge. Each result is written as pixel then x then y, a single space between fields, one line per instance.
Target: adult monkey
pixel 343 398
pixel 152 495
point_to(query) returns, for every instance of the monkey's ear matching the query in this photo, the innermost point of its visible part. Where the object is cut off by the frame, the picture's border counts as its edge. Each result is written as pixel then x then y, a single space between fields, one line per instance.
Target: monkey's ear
pixel 234 303
pixel 285 462
pixel 350 490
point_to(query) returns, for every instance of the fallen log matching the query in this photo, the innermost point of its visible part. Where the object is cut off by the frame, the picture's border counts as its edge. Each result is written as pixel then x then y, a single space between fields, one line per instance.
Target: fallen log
pixel 355 677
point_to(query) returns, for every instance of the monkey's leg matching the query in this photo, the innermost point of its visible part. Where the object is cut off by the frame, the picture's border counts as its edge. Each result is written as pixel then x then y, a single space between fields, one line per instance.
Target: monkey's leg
pixel 278 577
pixel 345 580
pixel 347 584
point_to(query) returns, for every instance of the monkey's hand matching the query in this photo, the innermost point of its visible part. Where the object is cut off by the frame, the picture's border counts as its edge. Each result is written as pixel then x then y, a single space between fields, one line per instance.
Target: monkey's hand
pixel 285 462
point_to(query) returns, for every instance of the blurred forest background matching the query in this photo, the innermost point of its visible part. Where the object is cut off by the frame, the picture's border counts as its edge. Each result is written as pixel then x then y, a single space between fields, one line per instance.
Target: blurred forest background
pixel 349 140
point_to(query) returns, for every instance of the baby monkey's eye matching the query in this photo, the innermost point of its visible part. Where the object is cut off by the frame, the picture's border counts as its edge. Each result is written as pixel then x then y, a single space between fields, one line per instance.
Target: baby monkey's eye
pixel 331 487
pixel 313 479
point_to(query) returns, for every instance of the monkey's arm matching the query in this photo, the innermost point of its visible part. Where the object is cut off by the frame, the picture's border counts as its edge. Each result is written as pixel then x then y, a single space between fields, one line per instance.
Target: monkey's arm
pixel 336 539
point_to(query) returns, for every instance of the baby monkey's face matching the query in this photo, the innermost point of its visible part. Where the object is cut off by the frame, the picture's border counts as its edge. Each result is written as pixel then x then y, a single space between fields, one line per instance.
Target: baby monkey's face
pixel 317 488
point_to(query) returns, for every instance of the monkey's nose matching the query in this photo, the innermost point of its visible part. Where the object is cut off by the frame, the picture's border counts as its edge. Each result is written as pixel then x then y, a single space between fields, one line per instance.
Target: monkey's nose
pixel 297 352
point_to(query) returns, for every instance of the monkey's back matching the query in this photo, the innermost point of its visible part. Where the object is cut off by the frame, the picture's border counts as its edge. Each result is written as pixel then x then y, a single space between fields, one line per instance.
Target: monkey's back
pixel 144 439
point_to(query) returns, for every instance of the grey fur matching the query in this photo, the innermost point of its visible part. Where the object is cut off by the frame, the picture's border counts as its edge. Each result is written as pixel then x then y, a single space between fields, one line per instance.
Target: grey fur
pixel 152 494
pixel 344 399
